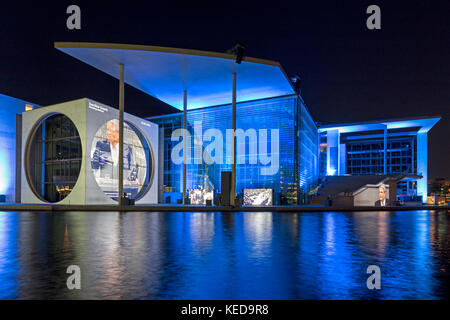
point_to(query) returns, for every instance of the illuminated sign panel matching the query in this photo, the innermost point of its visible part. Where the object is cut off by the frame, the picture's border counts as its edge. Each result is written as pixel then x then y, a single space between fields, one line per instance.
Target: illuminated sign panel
pixel 199 196
pixel 258 197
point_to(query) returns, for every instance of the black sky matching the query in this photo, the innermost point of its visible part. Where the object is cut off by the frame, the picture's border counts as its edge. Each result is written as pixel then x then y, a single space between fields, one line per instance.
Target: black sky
pixel 349 73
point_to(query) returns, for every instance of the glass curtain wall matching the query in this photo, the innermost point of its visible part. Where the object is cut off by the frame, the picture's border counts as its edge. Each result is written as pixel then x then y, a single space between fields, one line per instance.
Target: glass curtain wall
pixel 261 121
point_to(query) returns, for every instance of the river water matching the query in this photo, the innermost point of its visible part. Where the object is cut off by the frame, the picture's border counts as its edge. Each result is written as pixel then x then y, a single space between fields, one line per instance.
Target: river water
pixel 243 255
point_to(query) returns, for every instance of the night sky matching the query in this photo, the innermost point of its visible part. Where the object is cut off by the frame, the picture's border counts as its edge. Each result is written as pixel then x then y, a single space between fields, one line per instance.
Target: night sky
pixel 349 73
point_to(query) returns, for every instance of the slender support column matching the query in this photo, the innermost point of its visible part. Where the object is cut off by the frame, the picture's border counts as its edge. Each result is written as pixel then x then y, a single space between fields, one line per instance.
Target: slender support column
pixel 233 170
pixel 342 158
pixel 385 151
pixel 184 143
pixel 121 103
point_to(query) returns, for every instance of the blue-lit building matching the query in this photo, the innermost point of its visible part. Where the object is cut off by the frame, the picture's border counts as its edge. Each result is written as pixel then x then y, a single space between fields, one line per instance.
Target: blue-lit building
pixel 384 147
pixel 279 147
pixel 297 173
pixel 10 160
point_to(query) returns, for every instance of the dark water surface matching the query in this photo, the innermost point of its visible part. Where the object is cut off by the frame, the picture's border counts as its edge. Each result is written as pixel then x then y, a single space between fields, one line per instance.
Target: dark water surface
pixel 225 255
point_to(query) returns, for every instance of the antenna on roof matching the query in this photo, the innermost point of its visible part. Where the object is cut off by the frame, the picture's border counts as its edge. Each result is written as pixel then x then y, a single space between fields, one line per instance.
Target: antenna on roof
pixel 296 82
pixel 238 51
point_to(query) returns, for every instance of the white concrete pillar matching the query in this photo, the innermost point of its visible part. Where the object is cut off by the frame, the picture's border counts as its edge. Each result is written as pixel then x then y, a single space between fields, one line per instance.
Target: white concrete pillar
pixel 332 152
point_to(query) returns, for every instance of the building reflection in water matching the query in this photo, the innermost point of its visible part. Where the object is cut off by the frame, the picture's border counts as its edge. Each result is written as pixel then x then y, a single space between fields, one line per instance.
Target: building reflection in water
pixel 337 275
pixel 423 274
pixel 258 233
pixel 202 231
pixel 371 229
pixel 253 255
pixel 9 264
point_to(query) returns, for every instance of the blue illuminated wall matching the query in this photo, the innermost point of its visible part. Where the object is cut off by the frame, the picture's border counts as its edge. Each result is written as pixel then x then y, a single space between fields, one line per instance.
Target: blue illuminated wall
pixel 298 148
pixel 422 164
pixel 308 157
pixel 9 107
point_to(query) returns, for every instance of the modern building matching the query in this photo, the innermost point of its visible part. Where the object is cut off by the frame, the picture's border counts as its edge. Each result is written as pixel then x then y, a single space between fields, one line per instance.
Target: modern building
pixel 385 147
pixel 294 167
pixel 279 155
pixel 439 191
pixel 70 155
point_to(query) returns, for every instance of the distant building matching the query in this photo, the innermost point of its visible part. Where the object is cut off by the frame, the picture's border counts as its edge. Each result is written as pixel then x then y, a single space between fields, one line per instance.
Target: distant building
pixel 439 189
pixel 386 147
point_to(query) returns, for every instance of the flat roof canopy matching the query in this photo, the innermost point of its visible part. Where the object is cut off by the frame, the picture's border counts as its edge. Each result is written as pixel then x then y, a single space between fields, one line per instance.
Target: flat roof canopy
pixel 425 124
pixel 166 72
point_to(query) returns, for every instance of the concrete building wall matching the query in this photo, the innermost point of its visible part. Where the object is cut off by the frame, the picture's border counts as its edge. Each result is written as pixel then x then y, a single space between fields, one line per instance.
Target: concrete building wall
pixel 76 112
pixel 88 116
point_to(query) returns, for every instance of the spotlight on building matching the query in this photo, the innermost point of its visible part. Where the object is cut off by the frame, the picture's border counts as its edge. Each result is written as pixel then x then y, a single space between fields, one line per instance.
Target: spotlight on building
pixel 238 51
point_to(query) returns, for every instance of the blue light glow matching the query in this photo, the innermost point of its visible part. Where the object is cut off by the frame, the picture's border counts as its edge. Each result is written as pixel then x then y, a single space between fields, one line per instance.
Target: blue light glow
pixel 9 107
pixel 166 73
pixel 4 170
pixel 331 172
pixel 422 165
pixel 425 124
pixel 277 113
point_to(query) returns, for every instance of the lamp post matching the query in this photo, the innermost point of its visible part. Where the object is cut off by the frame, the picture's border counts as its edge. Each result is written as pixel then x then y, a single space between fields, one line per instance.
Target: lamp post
pixel 233 168
pixel 184 144
pixel 121 103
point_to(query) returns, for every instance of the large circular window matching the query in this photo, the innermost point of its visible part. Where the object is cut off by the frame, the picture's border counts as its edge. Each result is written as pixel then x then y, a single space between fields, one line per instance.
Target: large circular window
pixel 137 160
pixel 53 158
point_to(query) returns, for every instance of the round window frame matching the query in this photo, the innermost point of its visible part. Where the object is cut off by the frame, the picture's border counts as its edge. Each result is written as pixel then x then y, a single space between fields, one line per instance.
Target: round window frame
pixel 30 137
pixel 141 135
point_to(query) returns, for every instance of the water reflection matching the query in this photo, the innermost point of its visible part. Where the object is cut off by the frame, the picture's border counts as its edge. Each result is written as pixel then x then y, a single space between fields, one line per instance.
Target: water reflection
pixel 254 255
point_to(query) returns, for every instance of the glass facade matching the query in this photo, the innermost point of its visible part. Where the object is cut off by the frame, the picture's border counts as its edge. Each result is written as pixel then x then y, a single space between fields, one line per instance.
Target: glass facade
pixel 170 172
pixel 290 169
pixel 367 157
pixel 308 155
pixel 54 158
pixel 364 155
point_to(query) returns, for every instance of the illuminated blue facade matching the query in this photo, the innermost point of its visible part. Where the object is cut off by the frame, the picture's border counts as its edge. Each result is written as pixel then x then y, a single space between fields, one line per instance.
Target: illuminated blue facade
pixel 388 147
pixel 9 108
pixel 295 177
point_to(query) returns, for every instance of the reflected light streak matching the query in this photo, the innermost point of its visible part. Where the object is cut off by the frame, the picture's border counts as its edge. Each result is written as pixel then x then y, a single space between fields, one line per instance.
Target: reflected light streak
pixel 258 229
pixel 330 240
pixel 202 230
